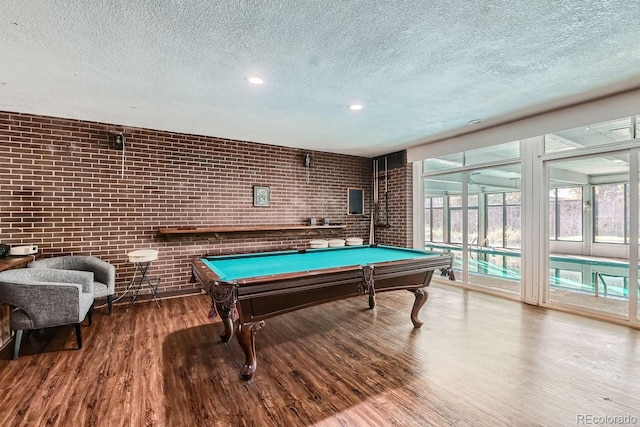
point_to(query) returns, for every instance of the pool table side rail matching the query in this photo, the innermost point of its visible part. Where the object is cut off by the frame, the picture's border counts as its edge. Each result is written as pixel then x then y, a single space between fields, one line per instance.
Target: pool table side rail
pixel 299 282
pixel 265 301
pixel 211 276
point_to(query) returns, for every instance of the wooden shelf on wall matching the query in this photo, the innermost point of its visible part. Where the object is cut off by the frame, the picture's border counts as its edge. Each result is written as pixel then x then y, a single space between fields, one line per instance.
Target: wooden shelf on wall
pixel 172 231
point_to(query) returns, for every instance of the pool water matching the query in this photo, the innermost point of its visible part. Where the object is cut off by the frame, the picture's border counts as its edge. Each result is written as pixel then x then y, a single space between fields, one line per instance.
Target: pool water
pixel 564 272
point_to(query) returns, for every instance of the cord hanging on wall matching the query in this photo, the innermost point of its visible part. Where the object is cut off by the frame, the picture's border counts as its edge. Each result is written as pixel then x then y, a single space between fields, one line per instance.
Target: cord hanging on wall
pixel 117 142
pixel 307 164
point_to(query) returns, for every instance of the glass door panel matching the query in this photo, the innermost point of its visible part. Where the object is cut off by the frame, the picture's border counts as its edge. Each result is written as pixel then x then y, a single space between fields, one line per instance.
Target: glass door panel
pixel 635 241
pixel 589 233
pixel 495 229
pixel 443 217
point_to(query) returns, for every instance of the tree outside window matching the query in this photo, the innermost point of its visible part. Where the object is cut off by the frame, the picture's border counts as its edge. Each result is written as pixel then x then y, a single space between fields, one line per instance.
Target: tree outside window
pixel 610 213
pixel 503 221
pixel 565 214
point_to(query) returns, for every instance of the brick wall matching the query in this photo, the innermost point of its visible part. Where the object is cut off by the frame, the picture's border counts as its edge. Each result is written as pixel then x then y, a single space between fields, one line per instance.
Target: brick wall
pixel 62 189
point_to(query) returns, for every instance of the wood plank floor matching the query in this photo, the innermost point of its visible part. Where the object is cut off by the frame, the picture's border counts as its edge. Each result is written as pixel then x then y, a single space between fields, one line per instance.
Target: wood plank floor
pixel 477 361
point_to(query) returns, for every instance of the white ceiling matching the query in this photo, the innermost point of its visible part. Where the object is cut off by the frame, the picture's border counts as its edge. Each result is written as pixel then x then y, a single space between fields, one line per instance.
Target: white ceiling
pixel 422 69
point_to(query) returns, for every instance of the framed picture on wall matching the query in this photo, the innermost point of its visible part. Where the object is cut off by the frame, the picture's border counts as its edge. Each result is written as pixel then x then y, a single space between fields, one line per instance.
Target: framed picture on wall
pixel 355 201
pixel 261 195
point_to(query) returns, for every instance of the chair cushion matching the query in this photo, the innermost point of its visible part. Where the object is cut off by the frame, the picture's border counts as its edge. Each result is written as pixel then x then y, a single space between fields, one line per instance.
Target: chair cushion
pixel 86 301
pixel 100 289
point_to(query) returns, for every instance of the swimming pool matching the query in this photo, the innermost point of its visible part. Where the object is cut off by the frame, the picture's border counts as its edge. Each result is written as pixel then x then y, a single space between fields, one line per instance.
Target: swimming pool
pixel 598 276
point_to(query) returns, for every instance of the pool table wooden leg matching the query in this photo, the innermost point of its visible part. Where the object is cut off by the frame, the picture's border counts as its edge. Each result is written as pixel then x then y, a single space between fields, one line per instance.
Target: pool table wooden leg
pixel 247 340
pixel 421 297
pixel 225 311
pixel 372 301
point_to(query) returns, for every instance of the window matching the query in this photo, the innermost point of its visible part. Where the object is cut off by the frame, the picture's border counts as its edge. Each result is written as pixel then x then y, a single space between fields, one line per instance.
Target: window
pixel 455 219
pixel 553 207
pixel 455 226
pixel 433 219
pixel 503 220
pixel 451 161
pixel 513 233
pixel 472 209
pixel 588 136
pixel 495 220
pixel 565 214
pixel 509 150
pixel 611 216
pixel 506 151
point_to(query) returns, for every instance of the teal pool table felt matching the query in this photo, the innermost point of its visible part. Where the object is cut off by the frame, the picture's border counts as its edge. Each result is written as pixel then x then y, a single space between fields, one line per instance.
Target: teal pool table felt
pixel 235 267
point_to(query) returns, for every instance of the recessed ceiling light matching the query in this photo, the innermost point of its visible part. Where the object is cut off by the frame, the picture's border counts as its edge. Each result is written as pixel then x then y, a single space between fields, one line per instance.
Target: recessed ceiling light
pixel 254 80
pixel 474 122
pixel 355 107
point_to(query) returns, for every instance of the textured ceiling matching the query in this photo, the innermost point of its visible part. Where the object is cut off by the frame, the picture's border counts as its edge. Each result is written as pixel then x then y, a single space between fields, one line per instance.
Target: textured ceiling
pixel 422 69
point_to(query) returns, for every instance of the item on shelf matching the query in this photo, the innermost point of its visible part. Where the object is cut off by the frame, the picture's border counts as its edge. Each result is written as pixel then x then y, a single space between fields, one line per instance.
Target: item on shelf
pixel 23 250
pixel 326 221
pixel 334 243
pixel 354 241
pixel 319 243
pixel 313 221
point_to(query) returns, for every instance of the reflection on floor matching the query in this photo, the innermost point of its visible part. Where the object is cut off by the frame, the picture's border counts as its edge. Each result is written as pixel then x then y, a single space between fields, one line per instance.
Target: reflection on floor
pixel 611 305
pixel 495 284
pixel 478 361
pixel 576 299
pixel 579 283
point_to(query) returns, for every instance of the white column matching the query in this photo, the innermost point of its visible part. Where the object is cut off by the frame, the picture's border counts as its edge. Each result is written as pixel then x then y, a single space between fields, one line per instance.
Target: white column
pixel 534 220
pixel 633 236
pixel 418 206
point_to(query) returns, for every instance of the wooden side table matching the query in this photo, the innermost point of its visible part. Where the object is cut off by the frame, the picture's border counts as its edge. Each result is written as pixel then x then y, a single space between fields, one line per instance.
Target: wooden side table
pixel 5 311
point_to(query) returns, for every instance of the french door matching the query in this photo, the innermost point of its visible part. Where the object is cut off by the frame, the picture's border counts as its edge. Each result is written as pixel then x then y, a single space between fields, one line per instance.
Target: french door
pixel 592 233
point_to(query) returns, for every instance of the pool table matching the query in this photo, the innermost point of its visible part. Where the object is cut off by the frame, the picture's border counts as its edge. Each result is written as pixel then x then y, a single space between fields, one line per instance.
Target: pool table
pixel 252 287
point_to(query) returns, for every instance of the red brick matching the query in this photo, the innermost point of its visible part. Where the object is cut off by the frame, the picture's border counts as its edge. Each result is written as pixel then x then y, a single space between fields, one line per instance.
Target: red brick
pixel 64 192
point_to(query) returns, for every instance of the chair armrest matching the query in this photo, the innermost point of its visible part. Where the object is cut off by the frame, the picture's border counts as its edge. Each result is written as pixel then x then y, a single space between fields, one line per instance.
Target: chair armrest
pixel 103 271
pixel 82 278
pixel 46 303
pixel 55 262
pixel 49 275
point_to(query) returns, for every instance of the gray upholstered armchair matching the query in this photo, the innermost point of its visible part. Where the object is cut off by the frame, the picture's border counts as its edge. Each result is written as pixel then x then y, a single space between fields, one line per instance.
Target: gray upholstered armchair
pixel 42 298
pixel 104 273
